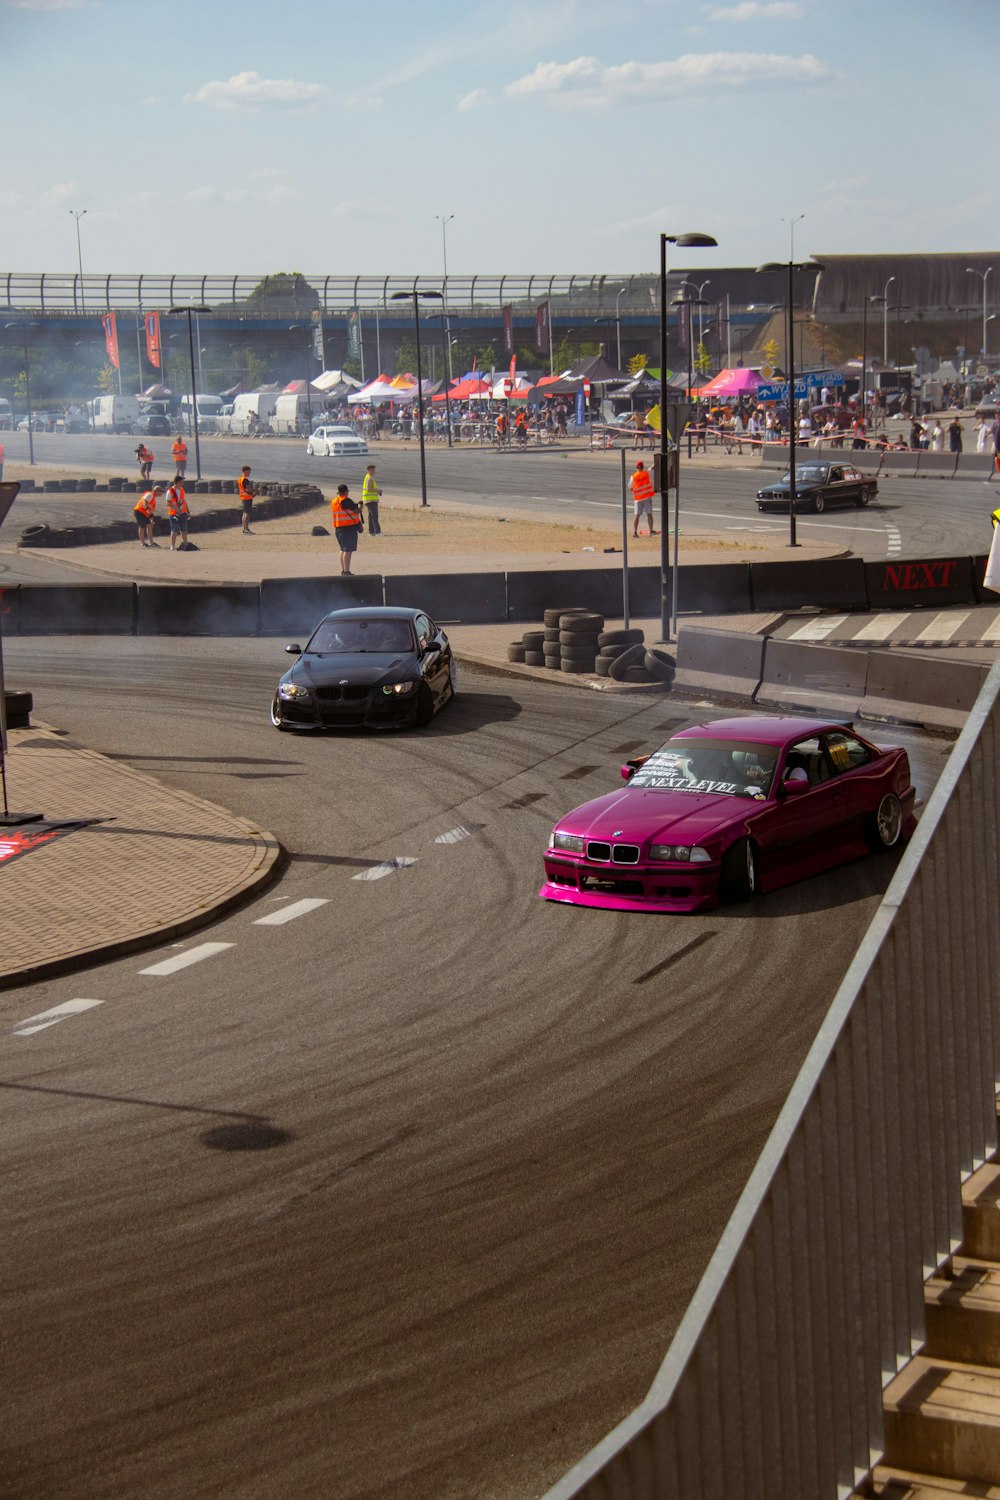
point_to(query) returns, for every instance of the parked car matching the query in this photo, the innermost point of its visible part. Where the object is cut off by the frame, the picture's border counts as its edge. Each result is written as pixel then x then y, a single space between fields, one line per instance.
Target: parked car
pixel 380 667
pixel 152 424
pixel 729 808
pixel 328 442
pixel 819 486
pixel 39 422
pixel 77 422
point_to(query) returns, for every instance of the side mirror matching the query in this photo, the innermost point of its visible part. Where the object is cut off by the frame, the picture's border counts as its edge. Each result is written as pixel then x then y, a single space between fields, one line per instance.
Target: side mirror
pixel 627 772
pixel 293 650
pixel 793 788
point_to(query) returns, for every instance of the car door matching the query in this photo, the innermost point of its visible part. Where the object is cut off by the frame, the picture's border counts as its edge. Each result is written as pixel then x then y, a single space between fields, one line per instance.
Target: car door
pixel 859 769
pixel 433 659
pixel 808 832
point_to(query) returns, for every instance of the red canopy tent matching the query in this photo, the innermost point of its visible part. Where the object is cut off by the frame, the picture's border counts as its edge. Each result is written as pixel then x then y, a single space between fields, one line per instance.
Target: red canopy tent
pixel 739 382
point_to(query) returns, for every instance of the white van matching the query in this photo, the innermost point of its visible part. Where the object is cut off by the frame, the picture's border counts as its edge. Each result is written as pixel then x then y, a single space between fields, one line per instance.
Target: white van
pixel 251 411
pixel 6 415
pixel 209 408
pixel 292 413
pixel 114 413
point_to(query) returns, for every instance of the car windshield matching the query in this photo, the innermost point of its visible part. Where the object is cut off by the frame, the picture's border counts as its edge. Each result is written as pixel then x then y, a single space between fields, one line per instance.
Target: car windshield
pixel 732 768
pixel 334 636
pixel 340 432
pixel 808 474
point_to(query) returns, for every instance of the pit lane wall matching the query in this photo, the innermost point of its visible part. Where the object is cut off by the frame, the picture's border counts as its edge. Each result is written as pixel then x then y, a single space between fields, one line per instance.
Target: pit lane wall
pixel 277 606
pixel 772 1387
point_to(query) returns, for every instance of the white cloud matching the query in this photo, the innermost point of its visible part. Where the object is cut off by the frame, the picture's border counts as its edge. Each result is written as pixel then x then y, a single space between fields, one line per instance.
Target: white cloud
pixel 250 91
pixel 59 192
pixel 757 10
pixel 364 101
pixel 586 83
pixel 472 100
pixel 845 185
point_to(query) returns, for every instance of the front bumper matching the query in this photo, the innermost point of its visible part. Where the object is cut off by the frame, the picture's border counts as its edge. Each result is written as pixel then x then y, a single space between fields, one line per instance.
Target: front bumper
pixel 656 888
pixel 374 708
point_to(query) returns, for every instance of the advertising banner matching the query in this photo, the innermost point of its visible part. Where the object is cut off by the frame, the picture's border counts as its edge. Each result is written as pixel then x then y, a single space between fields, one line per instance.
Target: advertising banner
pixel 542 333
pixel 152 322
pixel 508 328
pixel 111 338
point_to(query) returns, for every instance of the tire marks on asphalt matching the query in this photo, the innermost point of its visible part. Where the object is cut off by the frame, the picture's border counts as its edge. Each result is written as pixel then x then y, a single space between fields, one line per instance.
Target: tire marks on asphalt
pixel 675 958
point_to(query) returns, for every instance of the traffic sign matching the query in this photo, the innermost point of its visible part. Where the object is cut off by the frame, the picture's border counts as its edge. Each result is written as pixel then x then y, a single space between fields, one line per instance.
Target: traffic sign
pixel 825 377
pixel 778 391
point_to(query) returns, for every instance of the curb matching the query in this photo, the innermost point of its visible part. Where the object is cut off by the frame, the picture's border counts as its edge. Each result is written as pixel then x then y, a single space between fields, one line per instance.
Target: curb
pixel 558 679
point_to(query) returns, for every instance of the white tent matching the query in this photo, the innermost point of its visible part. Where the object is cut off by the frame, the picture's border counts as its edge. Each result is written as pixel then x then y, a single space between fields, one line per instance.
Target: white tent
pixel 330 378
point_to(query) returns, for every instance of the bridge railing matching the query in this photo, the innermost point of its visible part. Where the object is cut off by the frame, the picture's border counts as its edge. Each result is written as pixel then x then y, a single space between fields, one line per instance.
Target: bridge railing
pixel 773 1384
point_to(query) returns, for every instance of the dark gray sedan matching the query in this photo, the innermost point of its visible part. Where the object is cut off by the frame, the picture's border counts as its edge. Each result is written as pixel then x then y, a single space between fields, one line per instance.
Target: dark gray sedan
pixel 818 486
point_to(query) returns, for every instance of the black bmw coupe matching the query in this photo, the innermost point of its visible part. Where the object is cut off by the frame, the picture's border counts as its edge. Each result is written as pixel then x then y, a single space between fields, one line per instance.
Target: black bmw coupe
pixel 379 667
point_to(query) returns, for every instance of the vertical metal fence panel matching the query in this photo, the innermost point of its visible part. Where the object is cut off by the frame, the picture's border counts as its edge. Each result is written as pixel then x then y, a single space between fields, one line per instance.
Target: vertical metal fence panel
pixel 815 1291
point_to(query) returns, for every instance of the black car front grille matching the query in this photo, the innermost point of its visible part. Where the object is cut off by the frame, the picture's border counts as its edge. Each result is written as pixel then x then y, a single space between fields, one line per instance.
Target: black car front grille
pixel 617 854
pixel 348 692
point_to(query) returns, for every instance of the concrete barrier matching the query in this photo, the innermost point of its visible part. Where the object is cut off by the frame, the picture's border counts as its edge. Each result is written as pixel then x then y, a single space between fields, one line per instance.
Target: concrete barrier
pixel 830 679
pixel 295 605
pixel 197 609
pixel 530 594
pixel 936 581
pixel 77 609
pixel 726 663
pixel 976 466
pixel 917 689
pixel 937 465
pixel 455 597
pixel 774 455
pixel 901 462
pixel 838 583
pixel 713 588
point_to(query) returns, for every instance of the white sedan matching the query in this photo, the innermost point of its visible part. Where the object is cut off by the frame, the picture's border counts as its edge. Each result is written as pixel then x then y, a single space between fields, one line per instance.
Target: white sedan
pixel 327 442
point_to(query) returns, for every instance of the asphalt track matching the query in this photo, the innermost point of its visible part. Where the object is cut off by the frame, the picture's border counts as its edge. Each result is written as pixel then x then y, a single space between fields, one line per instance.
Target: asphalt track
pixel 911 518
pixel 404 1196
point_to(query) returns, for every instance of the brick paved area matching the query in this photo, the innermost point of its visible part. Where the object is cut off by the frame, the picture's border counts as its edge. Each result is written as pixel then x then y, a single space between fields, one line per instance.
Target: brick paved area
pixel 168 862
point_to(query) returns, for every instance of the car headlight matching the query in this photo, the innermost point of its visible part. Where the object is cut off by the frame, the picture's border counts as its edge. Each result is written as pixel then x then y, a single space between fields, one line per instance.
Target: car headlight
pixel 292 690
pixel 683 853
pixel 571 842
pixel 398 687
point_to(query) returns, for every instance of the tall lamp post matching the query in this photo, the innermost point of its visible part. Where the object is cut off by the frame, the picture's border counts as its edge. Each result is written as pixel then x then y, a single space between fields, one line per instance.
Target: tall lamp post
pixel 78 214
pixel 884 299
pixel 699 290
pixel 307 328
pixel 984 275
pixel 668 603
pixel 23 328
pixel 176 312
pixel 618 324
pixel 445 220
pixel 812 267
pixel 430 296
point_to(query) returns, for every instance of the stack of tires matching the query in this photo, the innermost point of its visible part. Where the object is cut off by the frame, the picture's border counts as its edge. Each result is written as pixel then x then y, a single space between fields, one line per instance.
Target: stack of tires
pixel 625 658
pixel 577 632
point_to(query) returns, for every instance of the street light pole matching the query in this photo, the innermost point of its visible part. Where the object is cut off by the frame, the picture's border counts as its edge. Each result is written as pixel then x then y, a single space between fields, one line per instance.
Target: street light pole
pixel 187 311
pixel 984 275
pixel 885 322
pixel 22 328
pixel 309 335
pixel 695 287
pixel 445 221
pixel 618 325
pixel 666 611
pixel 814 267
pixel 79 255
pixel 416 294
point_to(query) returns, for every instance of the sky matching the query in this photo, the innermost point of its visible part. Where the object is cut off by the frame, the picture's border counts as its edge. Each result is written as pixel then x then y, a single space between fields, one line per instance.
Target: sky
pixel 554 137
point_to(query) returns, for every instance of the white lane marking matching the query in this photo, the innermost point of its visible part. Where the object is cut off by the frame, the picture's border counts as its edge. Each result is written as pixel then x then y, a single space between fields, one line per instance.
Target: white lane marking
pixel 453 836
pixel 183 960
pixel 992 631
pixel 818 630
pixel 880 629
pixel 289 913
pixel 53 1017
pixel 895 545
pixel 942 627
pixel 388 867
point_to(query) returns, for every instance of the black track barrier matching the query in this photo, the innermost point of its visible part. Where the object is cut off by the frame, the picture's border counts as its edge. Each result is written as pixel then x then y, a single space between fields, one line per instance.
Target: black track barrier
pixel 456 597
pixel 920 584
pixel 837 583
pixel 295 605
pixel 197 609
pixel 77 609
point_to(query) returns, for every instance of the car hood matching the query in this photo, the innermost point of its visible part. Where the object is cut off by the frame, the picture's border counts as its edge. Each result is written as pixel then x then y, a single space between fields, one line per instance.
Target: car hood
pixel 634 816
pixel 782 486
pixel 363 667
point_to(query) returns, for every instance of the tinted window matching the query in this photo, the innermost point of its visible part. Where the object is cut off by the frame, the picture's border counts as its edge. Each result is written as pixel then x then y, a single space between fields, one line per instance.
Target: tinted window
pixel 806 756
pixel 333 636
pixel 845 752
pixel 732 768
pixel 424 628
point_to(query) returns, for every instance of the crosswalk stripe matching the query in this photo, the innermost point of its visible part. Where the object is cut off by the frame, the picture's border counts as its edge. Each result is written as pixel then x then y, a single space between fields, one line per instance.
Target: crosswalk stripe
pixel 289 913
pixel 818 630
pixel 53 1017
pixel 992 631
pixel 942 627
pixel 388 867
pixel 183 960
pixel 880 628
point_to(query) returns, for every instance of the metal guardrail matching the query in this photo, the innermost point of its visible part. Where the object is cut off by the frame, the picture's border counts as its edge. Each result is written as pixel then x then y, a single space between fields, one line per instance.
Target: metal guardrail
pixel 813 1299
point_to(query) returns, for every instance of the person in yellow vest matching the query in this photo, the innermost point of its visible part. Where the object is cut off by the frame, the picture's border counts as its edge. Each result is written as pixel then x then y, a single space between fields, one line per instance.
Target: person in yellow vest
pixel 347 525
pixel 246 492
pixel 180 456
pixel 370 494
pixel 144 513
pixel 177 513
pixel 641 485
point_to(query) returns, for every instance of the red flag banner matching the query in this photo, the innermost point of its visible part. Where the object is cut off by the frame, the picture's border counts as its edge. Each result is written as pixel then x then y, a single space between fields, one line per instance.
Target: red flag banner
pixel 111 338
pixel 508 328
pixel 513 371
pixel 153 338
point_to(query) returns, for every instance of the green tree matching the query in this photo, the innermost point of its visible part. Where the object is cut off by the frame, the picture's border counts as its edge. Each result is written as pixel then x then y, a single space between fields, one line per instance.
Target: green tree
pixel 255 368
pixel 702 360
pixel 406 357
pixel 107 379
pixel 285 291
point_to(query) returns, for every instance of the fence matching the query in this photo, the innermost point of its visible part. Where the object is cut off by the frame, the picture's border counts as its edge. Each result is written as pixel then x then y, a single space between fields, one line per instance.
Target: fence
pixel 813 1300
